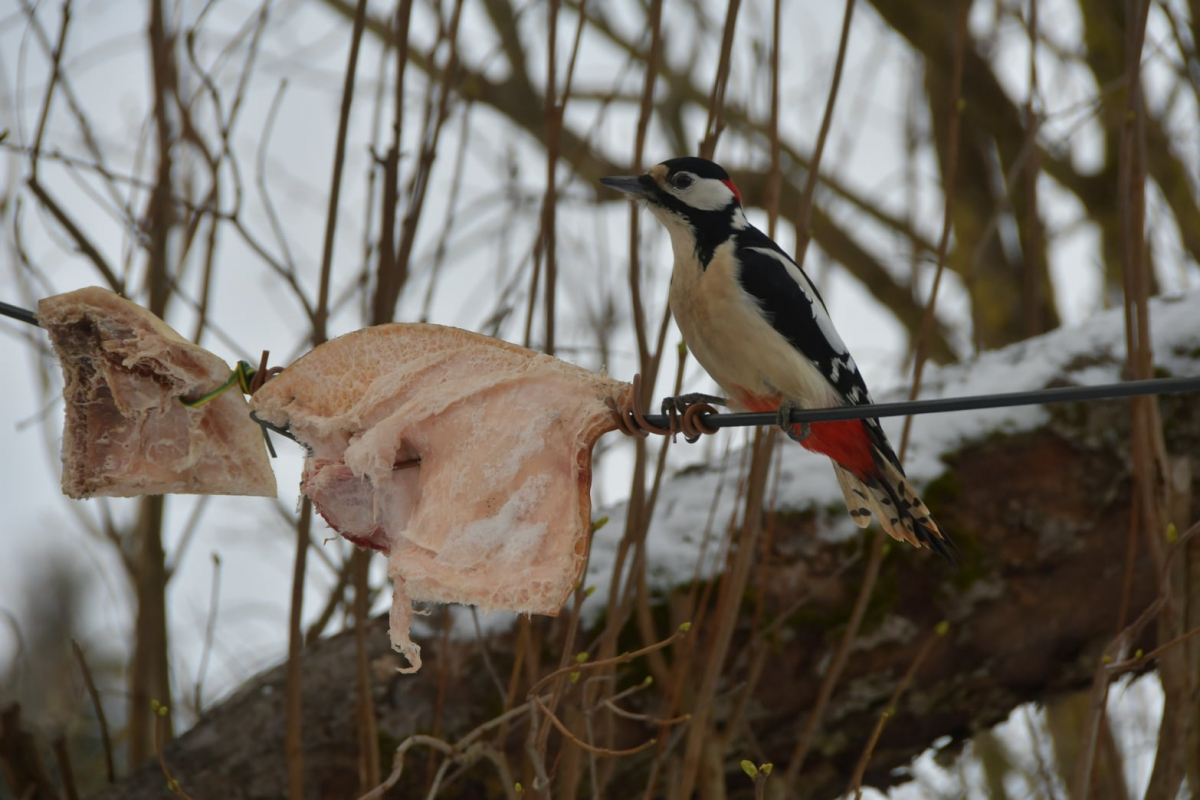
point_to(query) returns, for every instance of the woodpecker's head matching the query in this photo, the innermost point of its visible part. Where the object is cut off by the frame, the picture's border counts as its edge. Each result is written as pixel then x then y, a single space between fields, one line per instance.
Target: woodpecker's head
pixel 694 198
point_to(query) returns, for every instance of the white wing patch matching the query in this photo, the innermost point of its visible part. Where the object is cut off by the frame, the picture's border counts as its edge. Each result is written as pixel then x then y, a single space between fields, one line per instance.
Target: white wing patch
pixel 820 314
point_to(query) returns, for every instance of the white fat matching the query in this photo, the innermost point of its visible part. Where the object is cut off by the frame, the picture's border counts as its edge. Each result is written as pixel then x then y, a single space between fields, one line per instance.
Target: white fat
pixel 509 538
pixel 497 513
pixel 399 622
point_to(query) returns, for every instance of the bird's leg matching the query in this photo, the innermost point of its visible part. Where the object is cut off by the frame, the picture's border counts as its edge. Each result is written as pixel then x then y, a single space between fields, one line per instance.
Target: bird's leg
pixel 681 402
pixel 784 421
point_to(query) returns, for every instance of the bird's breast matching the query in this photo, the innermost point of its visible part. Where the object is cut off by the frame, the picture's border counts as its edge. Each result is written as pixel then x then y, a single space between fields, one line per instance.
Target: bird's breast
pixel 727 332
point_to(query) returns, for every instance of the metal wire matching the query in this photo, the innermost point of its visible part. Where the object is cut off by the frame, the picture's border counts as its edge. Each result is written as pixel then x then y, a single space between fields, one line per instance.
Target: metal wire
pixel 1037 397
pixel 701 418
pixel 24 315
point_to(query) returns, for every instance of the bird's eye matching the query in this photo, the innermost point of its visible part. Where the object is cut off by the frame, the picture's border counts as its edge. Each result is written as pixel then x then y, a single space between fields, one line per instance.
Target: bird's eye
pixel 681 180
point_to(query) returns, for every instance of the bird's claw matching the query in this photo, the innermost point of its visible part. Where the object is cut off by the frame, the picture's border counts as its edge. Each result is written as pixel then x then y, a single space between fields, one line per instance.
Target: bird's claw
pixel 784 420
pixel 676 410
pixel 681 402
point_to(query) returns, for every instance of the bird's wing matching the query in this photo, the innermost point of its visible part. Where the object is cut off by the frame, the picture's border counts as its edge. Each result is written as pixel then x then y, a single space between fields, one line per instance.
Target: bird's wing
pixel 793 306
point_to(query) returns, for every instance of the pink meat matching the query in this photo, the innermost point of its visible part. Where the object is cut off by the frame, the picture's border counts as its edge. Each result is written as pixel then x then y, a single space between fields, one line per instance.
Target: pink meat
pixel 126 431
pixel 467 460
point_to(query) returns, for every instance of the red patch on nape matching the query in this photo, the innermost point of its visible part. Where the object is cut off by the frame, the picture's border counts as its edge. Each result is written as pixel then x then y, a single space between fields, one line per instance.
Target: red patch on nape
pixel 845 441
pixel 729 182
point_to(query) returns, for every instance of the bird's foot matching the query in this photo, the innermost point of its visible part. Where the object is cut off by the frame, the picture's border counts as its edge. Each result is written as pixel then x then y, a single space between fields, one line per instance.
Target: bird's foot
pixel 690 425
pixel 681 402
pixel 784 420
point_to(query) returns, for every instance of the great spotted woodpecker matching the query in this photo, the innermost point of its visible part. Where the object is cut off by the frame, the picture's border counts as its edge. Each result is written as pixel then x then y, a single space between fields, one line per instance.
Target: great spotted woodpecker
pixel 758 326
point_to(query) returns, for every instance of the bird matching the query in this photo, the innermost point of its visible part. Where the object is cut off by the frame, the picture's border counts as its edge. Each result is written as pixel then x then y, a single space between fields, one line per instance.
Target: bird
pixel 758 326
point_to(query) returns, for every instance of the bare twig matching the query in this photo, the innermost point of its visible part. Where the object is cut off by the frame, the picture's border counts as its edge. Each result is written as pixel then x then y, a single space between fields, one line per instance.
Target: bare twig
pixel 1140 661
pixel 834 671
pixel 77 235
pixel 435 120
pixel 66 774
pixel 161 715
pixel 293 714
pixel 461 747
pixel 1115 653
pixel 368 729
pixel 600 751
pixel 391 275
pixel 774 173
pixel 732 589
pixel 716 101
pixel 98 707
pixel 336 597
pixel 20 758
pixel 949 176
pixel 209 631
pixel 623 658
pixel 321 315
pixel 804 215
pixel 889 710
pixel 48 97
pixel 553 113
pixel 645 112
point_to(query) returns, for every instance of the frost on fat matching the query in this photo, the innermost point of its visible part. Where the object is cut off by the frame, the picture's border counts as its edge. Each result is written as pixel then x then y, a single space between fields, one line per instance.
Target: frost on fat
pixel 465 459
pixel 126 433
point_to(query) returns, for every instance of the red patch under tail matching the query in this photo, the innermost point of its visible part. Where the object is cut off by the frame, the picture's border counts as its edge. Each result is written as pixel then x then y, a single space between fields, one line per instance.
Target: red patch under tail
pixel 844 441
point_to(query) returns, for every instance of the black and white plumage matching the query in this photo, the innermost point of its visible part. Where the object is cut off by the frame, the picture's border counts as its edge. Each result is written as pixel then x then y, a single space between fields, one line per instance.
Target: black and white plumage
pixel 759 327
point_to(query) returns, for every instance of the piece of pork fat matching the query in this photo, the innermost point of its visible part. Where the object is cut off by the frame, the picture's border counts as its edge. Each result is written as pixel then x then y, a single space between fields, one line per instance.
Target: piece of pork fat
pixel 467 460
pixel 126 432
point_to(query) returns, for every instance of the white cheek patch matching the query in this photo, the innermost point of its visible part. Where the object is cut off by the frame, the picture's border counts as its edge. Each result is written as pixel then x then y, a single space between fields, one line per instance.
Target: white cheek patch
pixel 706 194
pixel 739 221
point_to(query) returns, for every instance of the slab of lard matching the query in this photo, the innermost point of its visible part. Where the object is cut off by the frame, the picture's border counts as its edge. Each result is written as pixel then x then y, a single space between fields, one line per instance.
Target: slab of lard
pixel 467 460
pixel 126 431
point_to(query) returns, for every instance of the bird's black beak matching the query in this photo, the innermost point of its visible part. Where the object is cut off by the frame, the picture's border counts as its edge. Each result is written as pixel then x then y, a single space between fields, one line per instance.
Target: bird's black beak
pixel 639 186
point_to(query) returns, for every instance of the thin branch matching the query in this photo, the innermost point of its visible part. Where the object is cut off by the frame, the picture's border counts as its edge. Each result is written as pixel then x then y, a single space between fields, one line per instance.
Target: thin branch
pixel 834 671
pixel 623 658
pixel 209 631
pixel 950 173
pixel 293 722
pixel 716 101
pixel 459 747
pixel 98 707
pixel 774 172
pixel 321 316
pixel 77 235
pixel 600 751
pixel 66 773
pixel 48 98
pixel 804 215
pixel 368 727
pixel 889 710
pixel 391 275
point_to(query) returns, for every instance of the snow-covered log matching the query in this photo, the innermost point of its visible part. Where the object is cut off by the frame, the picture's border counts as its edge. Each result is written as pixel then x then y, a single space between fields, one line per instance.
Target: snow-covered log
pixel 1038 501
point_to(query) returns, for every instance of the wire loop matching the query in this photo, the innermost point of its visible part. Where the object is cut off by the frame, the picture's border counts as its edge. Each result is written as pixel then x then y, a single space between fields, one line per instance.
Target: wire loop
pixel 244 376
pixel 632 420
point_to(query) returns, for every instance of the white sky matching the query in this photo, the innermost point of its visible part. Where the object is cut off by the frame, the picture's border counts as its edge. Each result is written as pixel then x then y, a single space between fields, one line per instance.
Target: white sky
pixel 305 45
